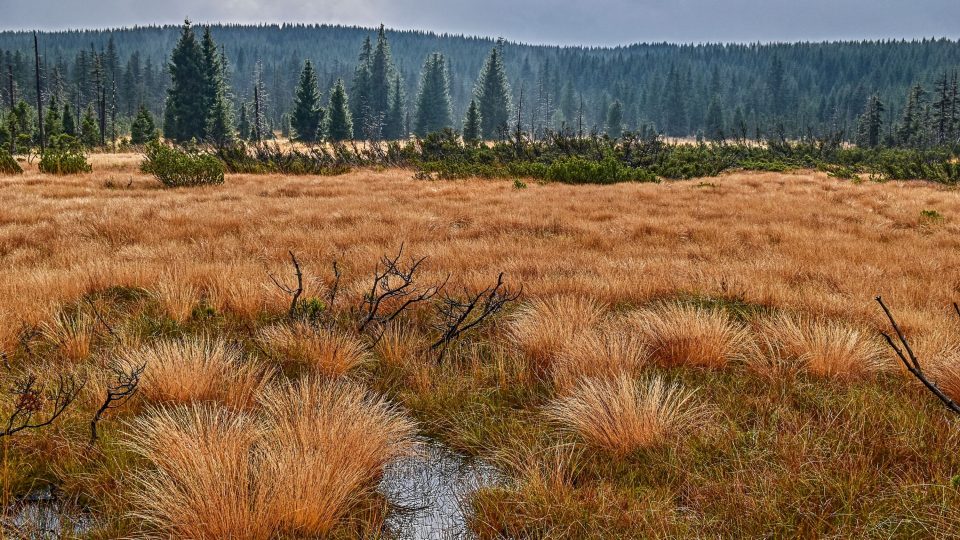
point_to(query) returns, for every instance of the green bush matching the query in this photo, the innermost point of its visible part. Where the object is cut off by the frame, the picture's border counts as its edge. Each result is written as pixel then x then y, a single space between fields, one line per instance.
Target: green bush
pixel 9 165
pixel 181 168
pixel 64 156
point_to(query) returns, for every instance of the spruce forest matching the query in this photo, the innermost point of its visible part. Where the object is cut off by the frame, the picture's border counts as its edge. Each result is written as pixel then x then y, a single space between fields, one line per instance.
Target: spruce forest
pixel 751 90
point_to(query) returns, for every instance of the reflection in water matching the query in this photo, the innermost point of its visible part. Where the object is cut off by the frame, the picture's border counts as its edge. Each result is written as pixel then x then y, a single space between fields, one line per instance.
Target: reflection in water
pixel 43 516
pixel 430 493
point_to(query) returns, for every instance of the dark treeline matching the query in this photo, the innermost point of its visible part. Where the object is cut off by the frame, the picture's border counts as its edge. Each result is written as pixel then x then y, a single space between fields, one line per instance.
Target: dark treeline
pixel 870 91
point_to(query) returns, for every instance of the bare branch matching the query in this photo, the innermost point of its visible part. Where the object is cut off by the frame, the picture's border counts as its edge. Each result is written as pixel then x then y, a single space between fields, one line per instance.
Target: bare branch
pixel 394 284
pixel 119 391
pixel 36 405
pixel 460 316
pixel 910 359
pixel 293 293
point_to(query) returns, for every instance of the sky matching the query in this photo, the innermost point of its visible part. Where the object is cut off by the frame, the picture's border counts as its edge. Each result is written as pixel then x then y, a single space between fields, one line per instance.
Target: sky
pixel 583 22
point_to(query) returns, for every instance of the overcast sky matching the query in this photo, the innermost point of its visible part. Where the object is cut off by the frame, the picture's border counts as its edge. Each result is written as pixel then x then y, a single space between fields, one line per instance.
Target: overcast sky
pixel 590 22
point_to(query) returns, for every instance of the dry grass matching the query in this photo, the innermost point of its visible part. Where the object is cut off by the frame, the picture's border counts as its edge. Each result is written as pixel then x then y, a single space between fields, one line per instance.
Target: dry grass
pixel 622 415
pixel 326 444
pixel 679 335
pixel 545 326
pixel 219 473
pixel 176 296
pixel 328 352
pixel 821 348
pixel 73 333
pixel 197 369
pixel 609 351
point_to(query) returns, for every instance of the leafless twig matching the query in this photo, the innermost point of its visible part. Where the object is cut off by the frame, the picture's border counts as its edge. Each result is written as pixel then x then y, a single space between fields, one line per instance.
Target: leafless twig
pixel 910 360
pixel 392 291
pixel 294 293
pixel 37 405
pixel 121 389
pixel 460 316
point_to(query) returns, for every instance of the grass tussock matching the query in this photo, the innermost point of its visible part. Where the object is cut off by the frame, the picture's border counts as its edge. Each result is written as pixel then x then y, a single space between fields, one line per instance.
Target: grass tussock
pixel 622 415
pixel 326 444
pixel 822 348
pixel 177 297
pixel 328 352
pixel 293 470
pixel 607 352
pixel 681 335
pixel 542 328
pixel 72 332
pixel 198 369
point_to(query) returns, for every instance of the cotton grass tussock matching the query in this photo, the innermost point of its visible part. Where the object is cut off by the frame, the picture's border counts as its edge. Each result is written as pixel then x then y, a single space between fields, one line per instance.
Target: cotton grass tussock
pixel 682 335
pixel 326 351
pixel 196 369
pixel 622 415
pixel 544 327
pixel 823 348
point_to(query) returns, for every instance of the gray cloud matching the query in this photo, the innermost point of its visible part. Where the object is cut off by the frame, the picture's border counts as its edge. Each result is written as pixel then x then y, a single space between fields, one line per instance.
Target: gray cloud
pixel 596 22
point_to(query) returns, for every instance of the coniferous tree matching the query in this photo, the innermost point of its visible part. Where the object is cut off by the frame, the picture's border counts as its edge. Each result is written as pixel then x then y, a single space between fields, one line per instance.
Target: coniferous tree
pixel 615 119
pixel 53 121
pixel 307 112
pixel 870 126
pixel 360 91
pixel 143 129
pixel 90 129
pixel 676 111
pixel 340 125
pixel 69 125
pixel 715 127
pixel 258 129
pixel 740 124
pixel 944 111
pixel 219 117
pixel 493 95
pixel 186 111
pixel 381 71
pixel 472 132
pixel 433 99
pixel 243 124
pixel 912 131
pixel 393 129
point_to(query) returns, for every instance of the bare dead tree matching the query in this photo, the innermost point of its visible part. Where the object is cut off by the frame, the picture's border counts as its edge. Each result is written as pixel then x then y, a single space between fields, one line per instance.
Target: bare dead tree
pixel 37 404
pixel 119 391
pixel 459 316
pixel 334 288
pixel 294 293
pixel 910 359
pixel 392 291
pixel 36 56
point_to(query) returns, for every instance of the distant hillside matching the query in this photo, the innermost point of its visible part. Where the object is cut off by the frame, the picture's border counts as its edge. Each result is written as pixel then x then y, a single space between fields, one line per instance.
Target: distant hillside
pixel 803 86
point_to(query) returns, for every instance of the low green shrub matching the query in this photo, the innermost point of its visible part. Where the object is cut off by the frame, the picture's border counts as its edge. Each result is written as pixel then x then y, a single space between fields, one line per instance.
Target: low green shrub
pixel 63 156
pixel 8 164
pixel 174 167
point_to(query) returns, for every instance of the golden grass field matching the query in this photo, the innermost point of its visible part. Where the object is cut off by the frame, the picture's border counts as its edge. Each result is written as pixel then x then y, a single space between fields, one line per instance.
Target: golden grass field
pixel 687 359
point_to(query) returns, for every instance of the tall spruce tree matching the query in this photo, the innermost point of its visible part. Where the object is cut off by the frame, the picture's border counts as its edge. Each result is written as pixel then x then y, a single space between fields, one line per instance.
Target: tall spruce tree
pixel 307 112
pixel 340 125
pixel 243 124
pixel 360 91
pixel 493 95
pixel 472 133
pixel 90 129
pixel 186 111
pixel 914 123
pixel 381 78
pixel 433 99
pixel 393 128
pixel 614 121
pixel 870 126
pixel 219 113
pixel 69 124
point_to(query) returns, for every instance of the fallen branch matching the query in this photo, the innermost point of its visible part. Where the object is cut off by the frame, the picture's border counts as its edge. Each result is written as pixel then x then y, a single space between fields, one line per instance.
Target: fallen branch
pixel 910 360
